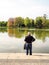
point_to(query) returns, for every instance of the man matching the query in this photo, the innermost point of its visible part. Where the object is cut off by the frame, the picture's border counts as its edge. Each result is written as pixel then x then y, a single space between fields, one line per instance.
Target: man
pixel 29 39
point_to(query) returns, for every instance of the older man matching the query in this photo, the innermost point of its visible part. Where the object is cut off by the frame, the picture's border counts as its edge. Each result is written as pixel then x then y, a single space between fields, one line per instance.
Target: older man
pixel 29 39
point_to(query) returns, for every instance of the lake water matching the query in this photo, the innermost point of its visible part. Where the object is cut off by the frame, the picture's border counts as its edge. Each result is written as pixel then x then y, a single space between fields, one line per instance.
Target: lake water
pixel 12 40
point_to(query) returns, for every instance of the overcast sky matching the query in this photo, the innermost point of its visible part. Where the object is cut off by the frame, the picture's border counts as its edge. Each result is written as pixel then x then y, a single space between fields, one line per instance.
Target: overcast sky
pixel 23 8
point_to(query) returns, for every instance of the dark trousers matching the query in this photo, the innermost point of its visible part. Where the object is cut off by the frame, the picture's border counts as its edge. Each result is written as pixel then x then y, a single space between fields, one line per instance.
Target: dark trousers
pixel 29 49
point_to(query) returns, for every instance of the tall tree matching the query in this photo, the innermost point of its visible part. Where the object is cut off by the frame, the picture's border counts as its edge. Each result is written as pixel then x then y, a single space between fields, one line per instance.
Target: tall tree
pixel 32 23
pixel 39 22
pixel 27 22
pixel 18 21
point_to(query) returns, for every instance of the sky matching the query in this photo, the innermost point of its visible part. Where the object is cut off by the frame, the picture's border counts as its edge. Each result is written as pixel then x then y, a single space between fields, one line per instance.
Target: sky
pixel 23 8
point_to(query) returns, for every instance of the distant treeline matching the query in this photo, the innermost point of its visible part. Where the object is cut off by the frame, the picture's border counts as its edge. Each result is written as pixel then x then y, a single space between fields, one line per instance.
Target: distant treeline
pixel 39 22
pixel 3 23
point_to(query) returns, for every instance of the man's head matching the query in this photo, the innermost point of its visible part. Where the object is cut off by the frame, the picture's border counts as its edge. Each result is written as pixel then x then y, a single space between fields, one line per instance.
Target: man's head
pixel 29 33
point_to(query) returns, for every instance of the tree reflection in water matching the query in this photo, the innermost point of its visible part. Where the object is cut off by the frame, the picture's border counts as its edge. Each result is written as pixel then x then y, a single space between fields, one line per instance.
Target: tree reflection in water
pixel 13 32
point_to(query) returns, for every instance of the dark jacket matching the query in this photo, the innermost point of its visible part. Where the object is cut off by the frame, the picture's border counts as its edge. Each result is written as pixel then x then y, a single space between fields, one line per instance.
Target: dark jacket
pixel 29 39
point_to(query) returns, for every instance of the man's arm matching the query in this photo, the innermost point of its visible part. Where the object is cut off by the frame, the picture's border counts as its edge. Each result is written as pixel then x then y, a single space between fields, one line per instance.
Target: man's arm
pixel 25 39
pixel 33 39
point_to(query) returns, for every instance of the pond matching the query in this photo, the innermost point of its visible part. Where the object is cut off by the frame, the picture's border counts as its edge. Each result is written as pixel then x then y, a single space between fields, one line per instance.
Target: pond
pixel 12 40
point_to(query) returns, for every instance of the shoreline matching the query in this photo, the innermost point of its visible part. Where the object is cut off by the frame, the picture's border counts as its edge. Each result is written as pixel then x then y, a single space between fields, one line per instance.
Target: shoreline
pixel 24 56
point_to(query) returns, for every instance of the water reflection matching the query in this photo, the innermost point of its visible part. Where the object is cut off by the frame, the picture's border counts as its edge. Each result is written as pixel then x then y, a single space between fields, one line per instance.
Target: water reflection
pixel 12 40
pixel 3 30
pixel 39 34
pixel 13 32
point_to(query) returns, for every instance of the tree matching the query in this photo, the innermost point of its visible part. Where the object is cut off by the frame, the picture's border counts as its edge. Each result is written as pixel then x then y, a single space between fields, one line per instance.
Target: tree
pixel 45 16
pixel 0 23
pixel 32 23
pixel 27 22
pixel 39 22
pixel 44 20
pixel 18 21
pixel 47 23
pixel 3 23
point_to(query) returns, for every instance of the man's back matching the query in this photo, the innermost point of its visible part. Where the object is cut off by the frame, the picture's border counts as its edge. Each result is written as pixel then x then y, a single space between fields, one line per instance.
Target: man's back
pixel 29 39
